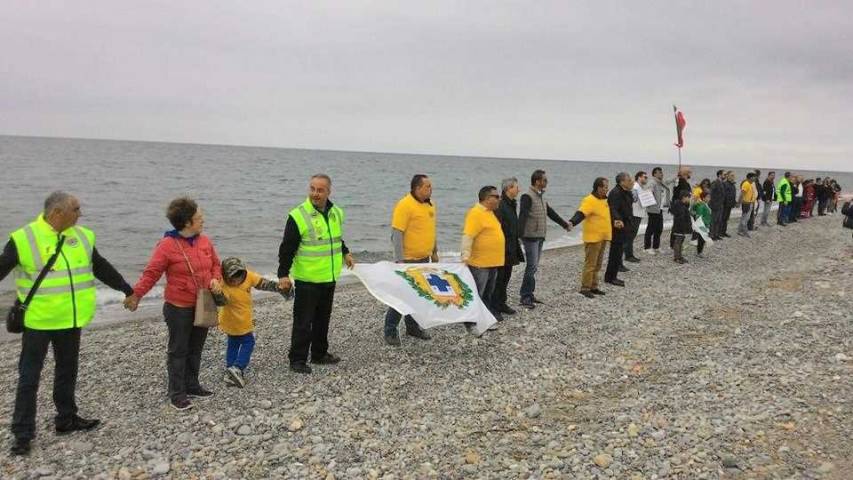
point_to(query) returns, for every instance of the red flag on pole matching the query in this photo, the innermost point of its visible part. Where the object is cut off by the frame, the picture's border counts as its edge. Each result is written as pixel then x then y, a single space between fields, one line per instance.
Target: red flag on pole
pixel 680 123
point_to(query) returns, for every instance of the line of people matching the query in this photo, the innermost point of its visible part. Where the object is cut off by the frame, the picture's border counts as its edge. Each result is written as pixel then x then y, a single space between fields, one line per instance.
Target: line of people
pixel 57 261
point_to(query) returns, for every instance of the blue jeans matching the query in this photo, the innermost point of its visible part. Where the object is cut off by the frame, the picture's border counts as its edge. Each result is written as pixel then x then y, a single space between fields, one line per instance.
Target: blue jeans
pixel 532 253
pixel 392 317
pixel 485 279
pixel 239 351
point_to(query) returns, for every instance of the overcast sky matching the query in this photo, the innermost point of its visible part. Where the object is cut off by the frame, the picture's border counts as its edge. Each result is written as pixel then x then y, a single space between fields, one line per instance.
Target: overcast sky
pixel 760 83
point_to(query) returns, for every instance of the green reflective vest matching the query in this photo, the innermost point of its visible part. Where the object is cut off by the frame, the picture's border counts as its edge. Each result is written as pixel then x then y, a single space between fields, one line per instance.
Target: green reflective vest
pixel 66 297
pixel 788 196
pixel 320 255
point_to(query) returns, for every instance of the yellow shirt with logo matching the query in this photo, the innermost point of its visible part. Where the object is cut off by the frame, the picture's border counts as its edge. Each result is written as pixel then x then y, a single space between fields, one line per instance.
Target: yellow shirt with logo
pixel 417 222
pixel 748 192
pixel 488 247
pixel 596 223
pixel 235 318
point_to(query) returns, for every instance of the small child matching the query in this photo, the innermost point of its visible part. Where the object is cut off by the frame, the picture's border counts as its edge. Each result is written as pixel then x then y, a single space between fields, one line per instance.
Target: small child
pixel 235 318
pixel 701 210
pixel 681 224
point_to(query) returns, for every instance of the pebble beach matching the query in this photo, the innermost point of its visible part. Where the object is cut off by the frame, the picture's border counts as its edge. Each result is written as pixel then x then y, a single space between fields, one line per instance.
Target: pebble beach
pixel 736 365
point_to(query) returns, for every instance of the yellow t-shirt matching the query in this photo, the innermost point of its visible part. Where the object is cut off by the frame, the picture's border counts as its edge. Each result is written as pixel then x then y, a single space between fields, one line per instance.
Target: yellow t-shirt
pixel 417 222
pixel 483 226
pixel 596 222
pixel 235 318
pixel 748 195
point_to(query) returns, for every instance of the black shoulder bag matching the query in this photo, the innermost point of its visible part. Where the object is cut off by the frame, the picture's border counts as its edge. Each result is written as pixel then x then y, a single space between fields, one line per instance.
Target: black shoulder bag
pixel 15 317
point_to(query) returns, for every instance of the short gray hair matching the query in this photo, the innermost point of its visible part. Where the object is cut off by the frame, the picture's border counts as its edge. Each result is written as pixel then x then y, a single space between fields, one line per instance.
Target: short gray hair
pixel 622 176
pixel 57 200
pixel 507 183
pixel 323 176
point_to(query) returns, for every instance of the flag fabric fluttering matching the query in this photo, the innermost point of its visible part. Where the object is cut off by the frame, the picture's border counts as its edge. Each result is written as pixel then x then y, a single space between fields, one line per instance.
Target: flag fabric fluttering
pixel 680 123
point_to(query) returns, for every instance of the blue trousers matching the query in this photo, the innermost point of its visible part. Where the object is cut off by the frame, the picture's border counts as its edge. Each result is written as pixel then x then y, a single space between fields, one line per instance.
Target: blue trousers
pixel 239 351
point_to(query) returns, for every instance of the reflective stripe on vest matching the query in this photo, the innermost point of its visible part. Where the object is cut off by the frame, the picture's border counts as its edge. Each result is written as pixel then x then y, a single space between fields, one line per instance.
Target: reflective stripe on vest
pixel 66 297
pixel 320 254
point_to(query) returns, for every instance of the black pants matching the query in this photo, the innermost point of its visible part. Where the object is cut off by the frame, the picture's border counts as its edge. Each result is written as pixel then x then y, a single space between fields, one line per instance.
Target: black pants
pixel 724 223
pixel 66 351
pixel 701 245
pixel 716 222
pixel 614 258
pixel 312 310
pixel 653 231
pixel 678 246
pixel 821 206
pixel 750 225
pixel 186 343
pixel 632 234
pixel 499 297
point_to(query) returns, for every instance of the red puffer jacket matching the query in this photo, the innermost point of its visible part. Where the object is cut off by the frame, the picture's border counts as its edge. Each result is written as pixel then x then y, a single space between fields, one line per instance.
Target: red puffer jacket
pixel 167 258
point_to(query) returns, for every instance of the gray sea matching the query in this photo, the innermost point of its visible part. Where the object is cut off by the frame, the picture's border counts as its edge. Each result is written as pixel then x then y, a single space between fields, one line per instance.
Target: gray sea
pixel 246 192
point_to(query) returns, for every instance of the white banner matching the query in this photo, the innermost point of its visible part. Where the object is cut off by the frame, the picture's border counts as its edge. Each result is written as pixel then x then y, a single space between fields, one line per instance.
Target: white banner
pixel 432 293
pixel 647 198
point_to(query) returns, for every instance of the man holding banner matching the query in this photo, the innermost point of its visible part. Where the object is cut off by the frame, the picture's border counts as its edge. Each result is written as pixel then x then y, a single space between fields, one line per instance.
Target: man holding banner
pixel 413 238
pixel 483 244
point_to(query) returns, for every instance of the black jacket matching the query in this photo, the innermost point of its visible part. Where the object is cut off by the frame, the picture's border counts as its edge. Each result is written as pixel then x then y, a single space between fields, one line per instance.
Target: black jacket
pixel 681 222
pixel 718 195
pixel 731 195
pixel 508 217
pixel 769 191
pixel 619 201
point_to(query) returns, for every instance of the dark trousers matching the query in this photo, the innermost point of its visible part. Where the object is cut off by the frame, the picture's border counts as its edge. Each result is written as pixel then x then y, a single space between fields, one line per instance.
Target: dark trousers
pixel 724 223
pixel 392 317
pixel 750 225
pixel 632 234
pixel 66 351
pixel 701 243
pixel 186 343
pixel 312 310
pixel 501 283
pixel 782 214
pixel 678 246
pixel 821 206
pixel 653 231
pixel 716 222
pixel 614 258
pixel 485 279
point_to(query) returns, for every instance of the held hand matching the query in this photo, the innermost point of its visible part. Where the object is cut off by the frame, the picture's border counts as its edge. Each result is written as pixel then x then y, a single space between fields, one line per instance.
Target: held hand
pixel 215 286
pixel 569 227
pixel 285 284
pixel 349 261
pixel 131 302
pixel 618 224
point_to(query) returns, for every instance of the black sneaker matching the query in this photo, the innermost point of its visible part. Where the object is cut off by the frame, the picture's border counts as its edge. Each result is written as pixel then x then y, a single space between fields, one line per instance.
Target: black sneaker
pixel 616 281
pixel 597 291
pixel 199 393
pixel 393 340
pixel 623 269
pixel 20 447
pixel 76 424
pixel 419 333
pixel 507 309
pixel 536 300
pixel 327 359
pixel 528 304
pixel 182 404
pixel 632 259
pixel 300 367
pixel 587 294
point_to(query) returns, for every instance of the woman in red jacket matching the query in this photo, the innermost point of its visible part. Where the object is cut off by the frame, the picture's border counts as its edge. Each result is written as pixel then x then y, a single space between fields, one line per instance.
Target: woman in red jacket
pixel 185 244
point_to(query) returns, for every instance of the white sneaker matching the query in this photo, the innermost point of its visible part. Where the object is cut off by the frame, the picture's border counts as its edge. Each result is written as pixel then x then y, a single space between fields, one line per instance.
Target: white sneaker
pixel 648 251
pixel 236 376
pixel 656 251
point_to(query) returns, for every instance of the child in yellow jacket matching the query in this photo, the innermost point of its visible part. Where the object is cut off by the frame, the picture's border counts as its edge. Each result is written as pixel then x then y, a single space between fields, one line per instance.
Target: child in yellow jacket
pixel 235 318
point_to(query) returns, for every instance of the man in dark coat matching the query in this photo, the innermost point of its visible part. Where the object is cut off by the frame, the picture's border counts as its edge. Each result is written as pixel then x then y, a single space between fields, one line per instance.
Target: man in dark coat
pixel 729 203
pixel 717 204
pixel 507 213
pixel 619 200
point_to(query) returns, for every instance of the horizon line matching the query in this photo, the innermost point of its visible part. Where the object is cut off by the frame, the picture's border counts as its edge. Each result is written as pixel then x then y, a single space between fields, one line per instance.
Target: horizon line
pixel 408 153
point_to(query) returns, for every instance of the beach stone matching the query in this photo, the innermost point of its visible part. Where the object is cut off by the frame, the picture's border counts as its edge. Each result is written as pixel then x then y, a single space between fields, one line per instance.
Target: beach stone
pixel 826 467
pixel 603 460
pixel 633 430
pixel 81 446
pixel 472 457
pixel 295 425
pixel 265 404
pixel 44 471
pixel 533 411
pixel 244 430
pixel 730 461
pixel 161 468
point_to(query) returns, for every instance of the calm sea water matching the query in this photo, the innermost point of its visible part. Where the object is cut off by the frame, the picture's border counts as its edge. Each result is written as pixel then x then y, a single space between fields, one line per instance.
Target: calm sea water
pixel 246 192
